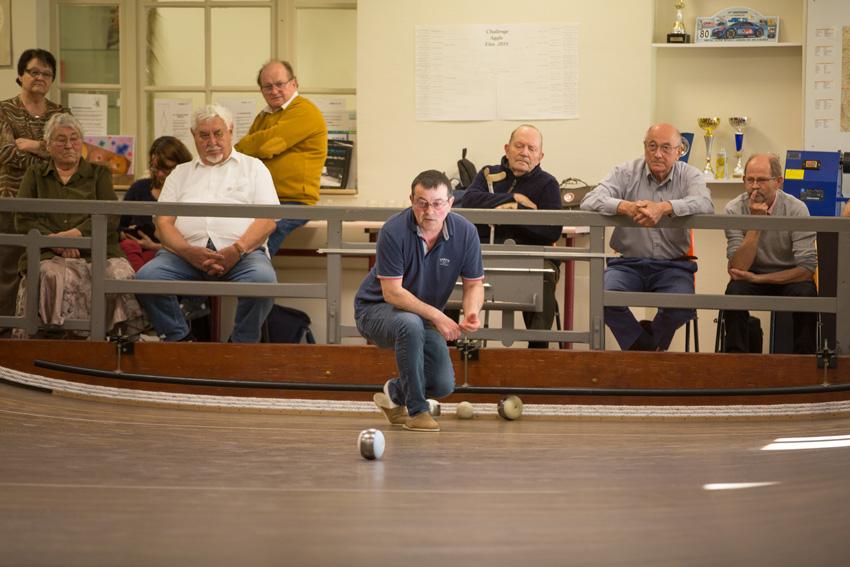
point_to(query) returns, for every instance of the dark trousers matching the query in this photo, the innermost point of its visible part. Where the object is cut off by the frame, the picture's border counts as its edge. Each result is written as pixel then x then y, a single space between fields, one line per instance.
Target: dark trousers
pixel 805 324
pixel 648 275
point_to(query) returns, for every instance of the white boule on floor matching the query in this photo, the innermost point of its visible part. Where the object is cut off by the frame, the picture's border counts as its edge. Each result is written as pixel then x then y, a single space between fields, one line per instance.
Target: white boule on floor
pixel 371 443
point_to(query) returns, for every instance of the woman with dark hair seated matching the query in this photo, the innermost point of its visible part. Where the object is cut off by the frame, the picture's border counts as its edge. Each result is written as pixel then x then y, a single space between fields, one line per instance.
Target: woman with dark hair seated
pixel 22 120
pixel 138 240
pixel 65 273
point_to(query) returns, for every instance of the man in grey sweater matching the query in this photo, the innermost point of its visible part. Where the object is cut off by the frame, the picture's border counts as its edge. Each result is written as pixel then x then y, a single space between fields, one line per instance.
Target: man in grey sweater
pixel 771 262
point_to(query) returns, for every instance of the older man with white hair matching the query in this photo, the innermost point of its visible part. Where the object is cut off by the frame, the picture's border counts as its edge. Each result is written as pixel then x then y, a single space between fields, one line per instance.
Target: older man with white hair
pixel 213 248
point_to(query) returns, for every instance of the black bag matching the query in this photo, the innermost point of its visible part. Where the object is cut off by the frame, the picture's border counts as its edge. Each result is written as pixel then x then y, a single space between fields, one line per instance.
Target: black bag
pixel 466 171
pixel 573 191
pixel 287 325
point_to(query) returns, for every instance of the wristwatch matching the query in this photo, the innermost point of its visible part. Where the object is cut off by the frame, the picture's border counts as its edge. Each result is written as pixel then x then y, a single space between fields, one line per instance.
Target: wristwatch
pixel 242 251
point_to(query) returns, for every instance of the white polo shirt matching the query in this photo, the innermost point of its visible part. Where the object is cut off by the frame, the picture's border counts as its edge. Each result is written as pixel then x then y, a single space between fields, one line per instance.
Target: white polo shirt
pixel 240 180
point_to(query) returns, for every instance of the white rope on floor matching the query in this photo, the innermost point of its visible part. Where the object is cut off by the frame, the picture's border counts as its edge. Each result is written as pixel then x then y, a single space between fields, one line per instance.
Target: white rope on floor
pixel 239 403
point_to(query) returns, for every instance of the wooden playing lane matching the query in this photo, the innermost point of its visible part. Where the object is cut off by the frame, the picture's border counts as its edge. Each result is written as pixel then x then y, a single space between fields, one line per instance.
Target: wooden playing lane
pixel 91 483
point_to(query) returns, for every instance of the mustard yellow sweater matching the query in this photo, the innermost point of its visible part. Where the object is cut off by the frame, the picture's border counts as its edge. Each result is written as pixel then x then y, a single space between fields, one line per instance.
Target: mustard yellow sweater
pixel 293 143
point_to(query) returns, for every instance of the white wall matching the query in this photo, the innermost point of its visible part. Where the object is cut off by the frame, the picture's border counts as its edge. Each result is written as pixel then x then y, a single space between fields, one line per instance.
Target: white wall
pixel 30 28
pixel 614 84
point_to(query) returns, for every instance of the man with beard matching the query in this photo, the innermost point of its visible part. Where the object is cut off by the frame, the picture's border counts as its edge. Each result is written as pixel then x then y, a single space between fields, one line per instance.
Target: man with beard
pixel 213 248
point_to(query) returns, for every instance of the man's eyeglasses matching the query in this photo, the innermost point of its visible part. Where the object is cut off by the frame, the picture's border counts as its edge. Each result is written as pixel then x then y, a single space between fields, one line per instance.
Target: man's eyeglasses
pixel 214 135
pixel 36 74
pixel 757 180
pixel 423 205
pixel 666 149
pixel 269 87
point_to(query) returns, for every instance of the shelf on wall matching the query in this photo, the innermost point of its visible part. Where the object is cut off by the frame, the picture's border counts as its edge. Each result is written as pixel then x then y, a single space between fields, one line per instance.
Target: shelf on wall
pixel 727 45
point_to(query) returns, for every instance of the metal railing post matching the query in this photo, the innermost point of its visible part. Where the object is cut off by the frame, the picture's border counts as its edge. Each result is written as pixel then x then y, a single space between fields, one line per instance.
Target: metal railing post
pixel 334 282
pixel 596 322
pixel 98 273
pixel 842 296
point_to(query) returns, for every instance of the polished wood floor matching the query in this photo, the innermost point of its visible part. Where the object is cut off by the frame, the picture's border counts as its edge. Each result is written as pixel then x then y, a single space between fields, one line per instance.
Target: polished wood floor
pixel 90 483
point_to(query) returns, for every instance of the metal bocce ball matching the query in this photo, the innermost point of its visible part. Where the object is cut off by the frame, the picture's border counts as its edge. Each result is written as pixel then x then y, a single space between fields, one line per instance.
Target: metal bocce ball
pixel 510 408
pixel 434 407
pixel 371 443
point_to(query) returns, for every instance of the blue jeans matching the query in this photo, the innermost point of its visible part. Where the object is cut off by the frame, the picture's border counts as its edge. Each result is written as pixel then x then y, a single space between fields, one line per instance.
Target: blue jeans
pixel 646 274
pixel 284 228
pixel 422 357
pixel 164 310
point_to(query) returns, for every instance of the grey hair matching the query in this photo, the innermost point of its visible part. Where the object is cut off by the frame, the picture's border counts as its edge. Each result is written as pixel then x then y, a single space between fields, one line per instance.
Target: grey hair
pixel 60 120
pixel 775 164
pixel 209 112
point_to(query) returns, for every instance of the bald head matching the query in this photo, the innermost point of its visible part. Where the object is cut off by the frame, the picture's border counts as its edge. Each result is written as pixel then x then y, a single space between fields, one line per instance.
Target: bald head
pixel 666 131
pixel 528 129
pixel 524 150
pixel 662 147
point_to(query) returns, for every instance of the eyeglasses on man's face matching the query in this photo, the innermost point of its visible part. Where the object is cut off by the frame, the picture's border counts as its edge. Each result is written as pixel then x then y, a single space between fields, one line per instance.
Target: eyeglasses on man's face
pixel 666 149
pixel 437 205
pixel 758 180
pixel 207 136
pixel 36 74
pixel 269 87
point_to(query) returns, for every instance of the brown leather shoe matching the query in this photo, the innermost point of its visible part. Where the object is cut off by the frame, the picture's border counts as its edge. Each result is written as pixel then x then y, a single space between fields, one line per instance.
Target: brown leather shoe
pixel 396 415
pixel 422 422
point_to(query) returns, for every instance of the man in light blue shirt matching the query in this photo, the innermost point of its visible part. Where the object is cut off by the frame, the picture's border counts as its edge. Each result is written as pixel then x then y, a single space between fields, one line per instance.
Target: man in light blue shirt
pixel 651 259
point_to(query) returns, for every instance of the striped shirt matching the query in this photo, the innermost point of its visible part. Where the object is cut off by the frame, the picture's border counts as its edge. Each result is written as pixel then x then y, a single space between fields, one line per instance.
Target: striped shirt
pixel 16 122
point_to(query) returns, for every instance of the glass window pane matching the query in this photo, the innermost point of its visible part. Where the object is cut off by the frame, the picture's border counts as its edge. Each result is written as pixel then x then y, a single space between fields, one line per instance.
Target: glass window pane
pixel 326 48
pixel 113 109
pixel 88 44
pixel 340 112
pixel 241 44
pixel 232 101
pixel 154 121
pixel 175 52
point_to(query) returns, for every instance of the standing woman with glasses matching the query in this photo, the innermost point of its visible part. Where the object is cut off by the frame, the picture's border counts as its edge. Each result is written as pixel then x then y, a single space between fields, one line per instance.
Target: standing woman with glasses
pixel 22 120
pixel 137 231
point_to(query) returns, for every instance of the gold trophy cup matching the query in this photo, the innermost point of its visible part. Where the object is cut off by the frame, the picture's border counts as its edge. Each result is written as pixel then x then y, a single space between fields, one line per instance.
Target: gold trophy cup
pixel 708 123
pixel 739 123
pixel 678 34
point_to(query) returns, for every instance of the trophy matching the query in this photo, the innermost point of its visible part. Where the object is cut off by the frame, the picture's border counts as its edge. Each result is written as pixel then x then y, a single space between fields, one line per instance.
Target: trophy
pixel 739 123
pixel 678 35
pixel 708 123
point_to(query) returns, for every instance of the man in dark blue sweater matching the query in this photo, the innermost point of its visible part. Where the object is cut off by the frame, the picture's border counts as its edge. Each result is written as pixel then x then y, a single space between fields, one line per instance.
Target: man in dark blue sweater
pixel 519 183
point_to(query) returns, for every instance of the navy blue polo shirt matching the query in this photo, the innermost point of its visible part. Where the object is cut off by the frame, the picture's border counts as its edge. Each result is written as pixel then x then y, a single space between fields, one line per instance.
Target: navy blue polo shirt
pixel 430 275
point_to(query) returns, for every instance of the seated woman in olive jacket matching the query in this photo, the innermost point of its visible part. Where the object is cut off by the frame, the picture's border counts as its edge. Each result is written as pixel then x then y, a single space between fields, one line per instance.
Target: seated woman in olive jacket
pixel 65 273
